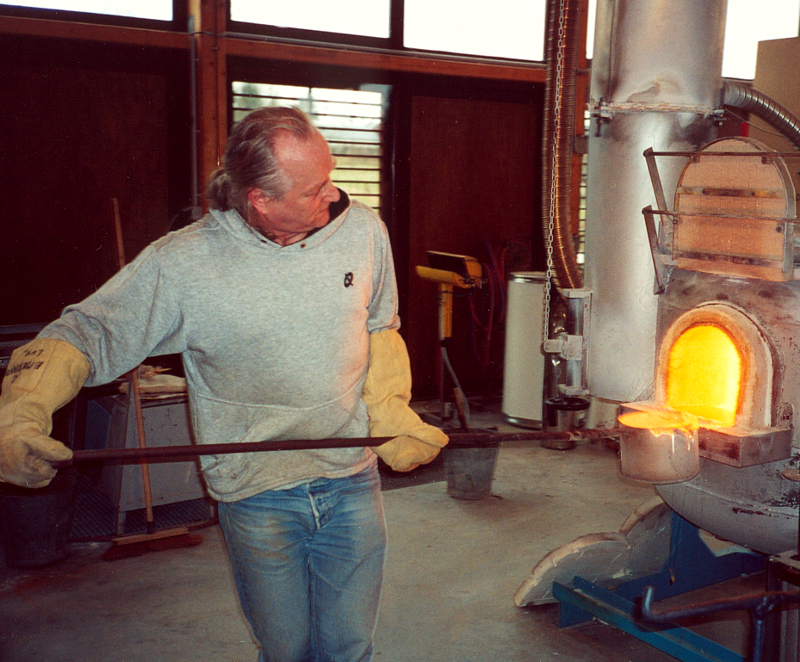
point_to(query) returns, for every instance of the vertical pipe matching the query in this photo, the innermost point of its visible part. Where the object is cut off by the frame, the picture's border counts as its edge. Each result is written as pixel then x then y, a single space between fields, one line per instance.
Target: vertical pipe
pixel 196 211
pixel 558 128
pixel 656 80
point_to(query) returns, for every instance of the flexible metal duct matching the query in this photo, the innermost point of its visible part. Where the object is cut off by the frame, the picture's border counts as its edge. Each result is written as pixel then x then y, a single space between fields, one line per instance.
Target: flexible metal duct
pixel 763 107
pixel 559 128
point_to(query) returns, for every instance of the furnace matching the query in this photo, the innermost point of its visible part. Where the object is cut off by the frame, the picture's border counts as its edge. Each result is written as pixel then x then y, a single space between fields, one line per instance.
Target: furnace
pixel 728 338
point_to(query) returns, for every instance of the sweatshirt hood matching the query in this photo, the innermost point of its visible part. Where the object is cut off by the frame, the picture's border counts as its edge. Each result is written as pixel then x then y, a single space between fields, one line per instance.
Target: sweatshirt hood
pixel 241 230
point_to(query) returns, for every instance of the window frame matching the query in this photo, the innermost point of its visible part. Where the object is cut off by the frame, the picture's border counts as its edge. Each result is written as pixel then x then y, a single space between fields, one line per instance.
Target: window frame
pixel 179 22
pixel 394 43
pixel 327 38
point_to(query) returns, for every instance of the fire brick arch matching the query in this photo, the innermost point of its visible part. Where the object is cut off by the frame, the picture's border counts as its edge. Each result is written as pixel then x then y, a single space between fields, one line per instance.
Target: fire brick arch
pixel 754 402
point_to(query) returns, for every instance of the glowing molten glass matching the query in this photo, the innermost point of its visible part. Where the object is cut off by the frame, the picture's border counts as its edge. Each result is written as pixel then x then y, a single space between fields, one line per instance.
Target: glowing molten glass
pixel 704 373
pixel 659 421
pixel 659 445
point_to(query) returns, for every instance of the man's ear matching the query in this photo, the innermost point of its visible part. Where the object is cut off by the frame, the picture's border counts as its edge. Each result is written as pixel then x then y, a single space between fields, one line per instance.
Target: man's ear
pixel 258 199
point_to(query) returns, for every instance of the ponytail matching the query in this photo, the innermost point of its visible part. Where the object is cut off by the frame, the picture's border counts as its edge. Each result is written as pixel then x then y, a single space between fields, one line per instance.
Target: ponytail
pixel 219 191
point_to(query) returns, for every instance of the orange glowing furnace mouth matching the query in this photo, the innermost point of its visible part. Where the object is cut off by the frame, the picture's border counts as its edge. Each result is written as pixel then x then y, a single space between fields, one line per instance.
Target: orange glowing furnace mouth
pixel 716 365
pixel 704 374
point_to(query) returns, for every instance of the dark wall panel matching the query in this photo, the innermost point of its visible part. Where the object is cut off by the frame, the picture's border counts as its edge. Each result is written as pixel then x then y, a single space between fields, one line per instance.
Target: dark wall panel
pixel 73 139
pixel 474 182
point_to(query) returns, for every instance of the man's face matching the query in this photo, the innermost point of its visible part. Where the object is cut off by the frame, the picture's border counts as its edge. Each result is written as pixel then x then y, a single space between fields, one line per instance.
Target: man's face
pixel 307 165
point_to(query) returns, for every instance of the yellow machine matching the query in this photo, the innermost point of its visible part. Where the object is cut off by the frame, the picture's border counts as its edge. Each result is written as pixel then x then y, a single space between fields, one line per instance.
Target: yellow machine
pixel 450 271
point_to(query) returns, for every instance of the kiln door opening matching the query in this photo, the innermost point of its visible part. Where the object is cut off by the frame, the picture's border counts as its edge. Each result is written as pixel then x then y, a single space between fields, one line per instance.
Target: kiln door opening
pixel 704 375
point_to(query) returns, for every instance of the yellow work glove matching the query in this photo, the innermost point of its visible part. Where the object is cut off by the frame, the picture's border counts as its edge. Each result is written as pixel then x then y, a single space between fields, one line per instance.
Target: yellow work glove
pixel 387 392
pixel 42 377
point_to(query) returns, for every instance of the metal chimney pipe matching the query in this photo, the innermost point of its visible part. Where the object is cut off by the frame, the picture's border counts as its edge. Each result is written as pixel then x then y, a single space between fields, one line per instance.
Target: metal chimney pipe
pixel 656 81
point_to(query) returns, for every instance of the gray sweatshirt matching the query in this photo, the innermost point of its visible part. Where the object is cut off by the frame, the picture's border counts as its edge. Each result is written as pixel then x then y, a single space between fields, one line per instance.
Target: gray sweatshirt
pixel 274 340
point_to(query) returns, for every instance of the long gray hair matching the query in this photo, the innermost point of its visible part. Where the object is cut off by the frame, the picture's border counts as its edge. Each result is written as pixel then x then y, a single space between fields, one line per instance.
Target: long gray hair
pixel 250 161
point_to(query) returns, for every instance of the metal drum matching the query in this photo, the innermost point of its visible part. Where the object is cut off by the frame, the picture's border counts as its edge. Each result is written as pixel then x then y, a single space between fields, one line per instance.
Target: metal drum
pixel 523 379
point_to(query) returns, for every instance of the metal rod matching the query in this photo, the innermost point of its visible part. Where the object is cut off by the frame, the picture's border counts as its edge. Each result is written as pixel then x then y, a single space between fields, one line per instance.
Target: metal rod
pixel 652 237
pixel 759 606
pixel 734 217
pixel 164 453
pixel 710 154
pixel 457 439
pixel 655 178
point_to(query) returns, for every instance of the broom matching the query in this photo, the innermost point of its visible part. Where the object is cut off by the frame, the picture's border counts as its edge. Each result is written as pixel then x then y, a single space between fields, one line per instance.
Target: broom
pixel 153 539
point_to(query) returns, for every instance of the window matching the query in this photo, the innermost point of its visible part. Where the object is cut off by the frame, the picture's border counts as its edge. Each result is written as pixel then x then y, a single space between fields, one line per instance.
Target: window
pixel 501 28
pixel 350 120
pixel 369 18
pixel 747 24
pixel 160 10
pixel 580 239
pixel 590 23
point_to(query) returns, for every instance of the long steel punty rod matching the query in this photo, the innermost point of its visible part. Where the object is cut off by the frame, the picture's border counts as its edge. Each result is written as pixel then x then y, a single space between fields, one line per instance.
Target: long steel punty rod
pixel 457 439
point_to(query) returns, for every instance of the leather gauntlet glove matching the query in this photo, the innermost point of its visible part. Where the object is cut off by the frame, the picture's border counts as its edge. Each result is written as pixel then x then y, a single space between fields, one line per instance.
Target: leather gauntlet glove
pixel 387 392
pixel 42 377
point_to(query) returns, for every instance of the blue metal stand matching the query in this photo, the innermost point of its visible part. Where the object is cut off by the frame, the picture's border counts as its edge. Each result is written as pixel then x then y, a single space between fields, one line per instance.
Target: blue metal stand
pixel 690 566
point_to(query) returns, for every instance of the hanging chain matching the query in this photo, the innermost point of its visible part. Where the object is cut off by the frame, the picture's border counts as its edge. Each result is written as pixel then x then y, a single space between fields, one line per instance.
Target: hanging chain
pixel 556 129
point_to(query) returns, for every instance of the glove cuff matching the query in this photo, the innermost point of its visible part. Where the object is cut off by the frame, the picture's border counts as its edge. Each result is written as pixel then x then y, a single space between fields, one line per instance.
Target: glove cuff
pixel 387 392
pixel 41 377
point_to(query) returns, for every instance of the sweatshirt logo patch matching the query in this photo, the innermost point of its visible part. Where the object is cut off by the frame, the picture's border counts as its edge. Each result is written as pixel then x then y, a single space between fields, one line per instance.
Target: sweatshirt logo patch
pixel 348 279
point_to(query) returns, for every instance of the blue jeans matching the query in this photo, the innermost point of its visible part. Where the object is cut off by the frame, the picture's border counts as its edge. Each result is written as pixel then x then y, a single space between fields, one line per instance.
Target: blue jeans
pixel 308 566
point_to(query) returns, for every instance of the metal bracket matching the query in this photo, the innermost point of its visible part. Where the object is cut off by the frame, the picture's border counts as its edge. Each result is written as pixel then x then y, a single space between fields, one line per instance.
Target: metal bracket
pixel 568 347
pixel 655 250
pixel 655 178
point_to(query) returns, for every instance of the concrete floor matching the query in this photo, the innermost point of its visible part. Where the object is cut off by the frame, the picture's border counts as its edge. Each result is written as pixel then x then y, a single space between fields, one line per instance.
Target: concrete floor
pixel 452 570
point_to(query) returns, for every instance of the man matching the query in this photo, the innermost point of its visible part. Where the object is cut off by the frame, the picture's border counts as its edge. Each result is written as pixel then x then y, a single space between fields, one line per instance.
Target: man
pixel 282 303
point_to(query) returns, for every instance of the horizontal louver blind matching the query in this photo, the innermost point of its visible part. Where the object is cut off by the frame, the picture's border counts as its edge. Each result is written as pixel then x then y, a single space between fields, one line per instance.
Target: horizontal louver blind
pixel 350 120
